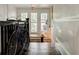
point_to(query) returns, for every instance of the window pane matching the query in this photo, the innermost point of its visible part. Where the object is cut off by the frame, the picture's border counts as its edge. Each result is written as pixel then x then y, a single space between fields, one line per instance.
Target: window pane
pixel 33 27
pixel 33 17
pixel 43 27
pixel 43 17
pixel 24 16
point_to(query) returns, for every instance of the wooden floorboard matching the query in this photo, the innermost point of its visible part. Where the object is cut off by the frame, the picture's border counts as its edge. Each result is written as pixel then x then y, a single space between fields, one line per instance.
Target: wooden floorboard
pixel 43 48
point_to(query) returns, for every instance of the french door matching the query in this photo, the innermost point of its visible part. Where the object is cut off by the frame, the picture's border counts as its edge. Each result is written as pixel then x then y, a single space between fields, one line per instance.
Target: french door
pixel 39 19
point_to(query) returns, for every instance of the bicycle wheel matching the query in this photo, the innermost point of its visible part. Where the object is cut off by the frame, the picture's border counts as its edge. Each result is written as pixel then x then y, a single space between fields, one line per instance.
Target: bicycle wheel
pixel 12 45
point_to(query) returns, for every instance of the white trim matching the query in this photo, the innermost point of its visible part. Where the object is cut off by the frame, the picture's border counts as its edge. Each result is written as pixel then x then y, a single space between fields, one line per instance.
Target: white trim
pixel 71 18
pixel 61 48
pixel 64 19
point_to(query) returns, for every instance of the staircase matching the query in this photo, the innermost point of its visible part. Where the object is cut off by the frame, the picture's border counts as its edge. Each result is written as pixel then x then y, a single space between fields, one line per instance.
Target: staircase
pixel 39 40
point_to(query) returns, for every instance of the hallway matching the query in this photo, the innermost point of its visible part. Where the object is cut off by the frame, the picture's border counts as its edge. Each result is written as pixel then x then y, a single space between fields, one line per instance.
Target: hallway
pixel 40 27
pixel 36 48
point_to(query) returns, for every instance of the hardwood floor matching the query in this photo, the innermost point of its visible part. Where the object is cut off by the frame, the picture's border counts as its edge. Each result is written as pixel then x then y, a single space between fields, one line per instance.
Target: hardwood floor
pixel 36 48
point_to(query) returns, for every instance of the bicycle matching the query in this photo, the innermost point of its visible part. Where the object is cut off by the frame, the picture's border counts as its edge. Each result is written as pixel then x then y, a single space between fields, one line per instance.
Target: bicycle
pixel 18 42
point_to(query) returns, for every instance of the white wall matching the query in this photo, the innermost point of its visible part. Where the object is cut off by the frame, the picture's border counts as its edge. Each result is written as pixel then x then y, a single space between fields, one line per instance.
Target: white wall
pixel 66 25
pixel 11 11
pixel 3 11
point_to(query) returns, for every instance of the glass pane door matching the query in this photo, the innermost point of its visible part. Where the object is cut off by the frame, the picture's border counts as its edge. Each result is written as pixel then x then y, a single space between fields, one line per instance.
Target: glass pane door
pixel 43 22
pixel 33 22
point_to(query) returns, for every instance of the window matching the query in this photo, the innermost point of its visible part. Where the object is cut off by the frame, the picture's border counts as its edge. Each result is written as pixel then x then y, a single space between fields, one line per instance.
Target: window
pixel 43 21
pixel 43 17
pixel 33 17
pixel 24 16
pixel 43 26
pixel 33 22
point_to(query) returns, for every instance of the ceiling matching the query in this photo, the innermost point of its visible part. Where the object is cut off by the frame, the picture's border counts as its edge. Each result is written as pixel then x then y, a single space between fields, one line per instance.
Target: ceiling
pixel 32 5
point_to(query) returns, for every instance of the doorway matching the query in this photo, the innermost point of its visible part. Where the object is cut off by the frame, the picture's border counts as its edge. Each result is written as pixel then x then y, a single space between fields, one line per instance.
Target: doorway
pixel 38 24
